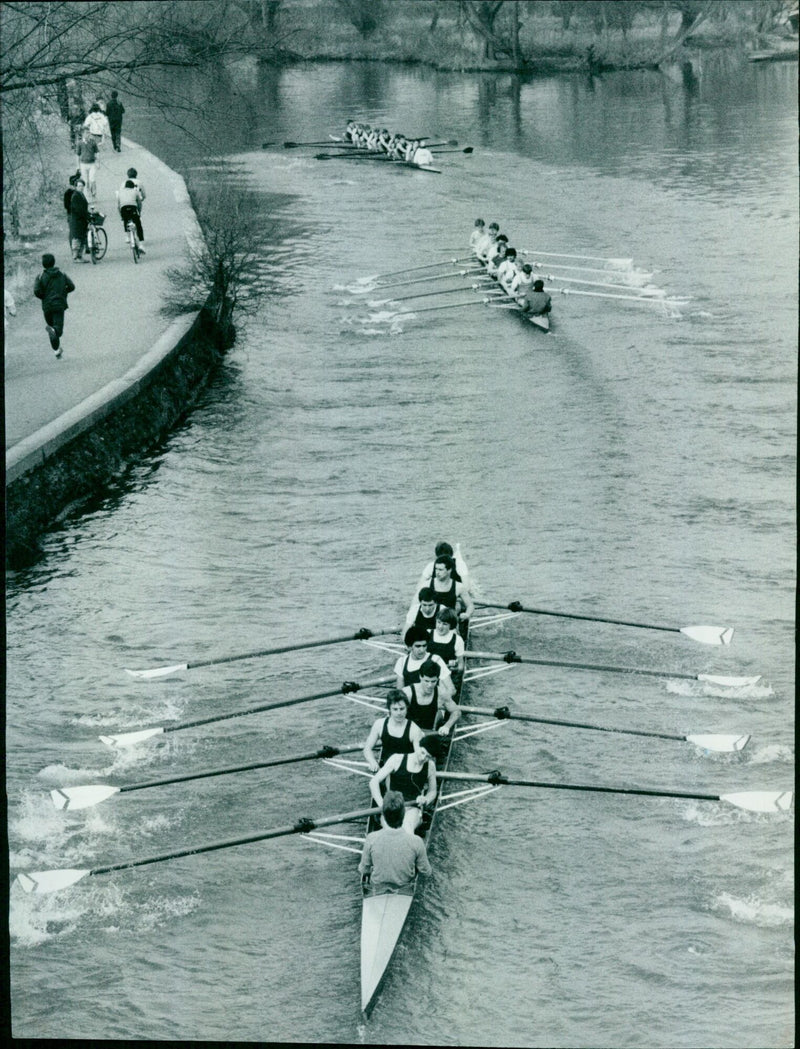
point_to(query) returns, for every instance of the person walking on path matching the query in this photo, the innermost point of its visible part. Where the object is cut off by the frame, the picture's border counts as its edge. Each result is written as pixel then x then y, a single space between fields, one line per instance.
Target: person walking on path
pixel 88 163
pixel 96 123
pixel 114 111
pixel 9 310
pixel 78 219
pixel 52 287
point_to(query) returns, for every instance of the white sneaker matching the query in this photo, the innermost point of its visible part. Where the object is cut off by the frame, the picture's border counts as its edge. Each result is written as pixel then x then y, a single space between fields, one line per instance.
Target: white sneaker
pixel 141 250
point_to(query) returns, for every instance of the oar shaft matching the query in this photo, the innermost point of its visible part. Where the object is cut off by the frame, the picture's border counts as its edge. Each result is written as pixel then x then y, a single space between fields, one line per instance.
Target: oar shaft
pixel 500 779
pixel 343 690
pixel 512 657
pixel 515 606
pixel 363 634
pixel 502 713
pixel 427 294
pixel 322 752
pixel 427 266
pixel 449 306
pixel 301 827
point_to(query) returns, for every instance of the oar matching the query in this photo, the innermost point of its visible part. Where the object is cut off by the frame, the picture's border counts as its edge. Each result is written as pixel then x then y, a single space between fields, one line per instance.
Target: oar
pixel 322 142
pixel 647 290
pixel 707 635
pixel 51 881
pixel 722 743
pixel 629 298
pixel 353 156
pixel 422 280
pixel 449 306
pixel 713 679
pixel 127 739
pixel 424 294
pixel 753 800
pixel 360 635
pixel 416 269
pixel 630 277
pixel 85 797
pixel 438 152
pixel 621 264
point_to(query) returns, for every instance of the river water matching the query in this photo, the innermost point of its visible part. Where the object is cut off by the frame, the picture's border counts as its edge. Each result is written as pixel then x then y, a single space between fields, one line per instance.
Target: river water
pixel 638 464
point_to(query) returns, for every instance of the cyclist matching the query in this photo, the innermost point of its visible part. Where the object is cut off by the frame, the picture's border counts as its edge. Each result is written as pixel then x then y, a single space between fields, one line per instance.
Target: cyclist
pixel 133 175
pixel 128 200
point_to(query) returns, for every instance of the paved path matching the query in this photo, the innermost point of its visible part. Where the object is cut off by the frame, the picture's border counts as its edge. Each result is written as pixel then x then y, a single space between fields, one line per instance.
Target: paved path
pixel 114 315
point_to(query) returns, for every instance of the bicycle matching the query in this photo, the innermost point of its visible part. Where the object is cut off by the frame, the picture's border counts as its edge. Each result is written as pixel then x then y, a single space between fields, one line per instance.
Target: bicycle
pixel 133 239
pixel 96 236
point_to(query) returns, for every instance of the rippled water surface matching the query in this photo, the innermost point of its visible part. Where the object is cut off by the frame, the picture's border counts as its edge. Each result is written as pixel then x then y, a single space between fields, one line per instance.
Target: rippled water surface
pixel 637 465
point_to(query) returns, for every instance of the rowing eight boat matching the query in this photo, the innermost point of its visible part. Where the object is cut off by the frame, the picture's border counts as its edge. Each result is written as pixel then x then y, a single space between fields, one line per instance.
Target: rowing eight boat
pixel 375 155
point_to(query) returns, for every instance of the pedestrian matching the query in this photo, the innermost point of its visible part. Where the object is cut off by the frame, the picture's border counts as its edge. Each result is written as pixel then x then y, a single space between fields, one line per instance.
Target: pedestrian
pixel 78 219
pixel 96 123
pixel 52 287
pixel 68 200
pixel 88 163
pixel 77 115
pixel 114 111
pixel 9 310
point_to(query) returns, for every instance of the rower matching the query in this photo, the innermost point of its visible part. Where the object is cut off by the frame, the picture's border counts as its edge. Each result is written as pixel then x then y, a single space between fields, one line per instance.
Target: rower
pixel 507 270
pixel 497 259
pixel 449 589
pixel 407 667
pixel 384 138
pixel 350 131
pixel 423 611
pixel 422 156
pixel 537 301
pixel 486 245
pixel 477 233
pixel 392 859
pixel 444 549
pixel 414 775
pixel 447 643
pixel 522 283
pixel 427 706
pixel 395 733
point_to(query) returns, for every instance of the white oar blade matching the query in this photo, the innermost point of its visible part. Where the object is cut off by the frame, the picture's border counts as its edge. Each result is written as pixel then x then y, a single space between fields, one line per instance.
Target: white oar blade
pixel 761 800
pixel 127 739
pixel 157 671
pixel 50 881
pixel 82 797
pixel 721 743
pixel 729 682
pixel 709 635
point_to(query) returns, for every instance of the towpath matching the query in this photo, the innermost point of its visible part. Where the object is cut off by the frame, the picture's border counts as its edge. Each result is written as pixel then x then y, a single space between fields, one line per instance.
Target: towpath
pixel 114 316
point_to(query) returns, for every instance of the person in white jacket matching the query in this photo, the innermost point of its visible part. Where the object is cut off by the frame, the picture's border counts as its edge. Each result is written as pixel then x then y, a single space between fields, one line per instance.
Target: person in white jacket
pixel 96 123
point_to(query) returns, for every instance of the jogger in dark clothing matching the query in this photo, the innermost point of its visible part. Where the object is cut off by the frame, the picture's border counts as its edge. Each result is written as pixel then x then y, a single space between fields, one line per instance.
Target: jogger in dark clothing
pixel 52 287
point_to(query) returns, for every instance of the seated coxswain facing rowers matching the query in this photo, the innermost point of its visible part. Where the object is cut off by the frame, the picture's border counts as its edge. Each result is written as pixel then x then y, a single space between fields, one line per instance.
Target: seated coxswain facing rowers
pixel 414 775
pixel 407 667
pixel 427 706
pixel 536 301
pixel 396 734
pixel 392 859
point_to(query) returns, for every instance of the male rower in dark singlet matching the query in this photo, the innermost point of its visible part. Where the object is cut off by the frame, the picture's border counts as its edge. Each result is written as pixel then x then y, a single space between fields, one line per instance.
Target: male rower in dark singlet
pixel 447 643
pixel 426 704
pixel 407 667
pixel 414 775
pixel 423 611
pixel 396 734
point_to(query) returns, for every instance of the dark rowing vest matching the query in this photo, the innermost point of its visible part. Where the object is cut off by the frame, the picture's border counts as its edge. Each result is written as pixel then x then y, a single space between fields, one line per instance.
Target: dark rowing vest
pixel 446 650
pixel 410 784
pixel 423 714
pixel 445 597
pixel 395 744
pixel 410 677
pixel 428 622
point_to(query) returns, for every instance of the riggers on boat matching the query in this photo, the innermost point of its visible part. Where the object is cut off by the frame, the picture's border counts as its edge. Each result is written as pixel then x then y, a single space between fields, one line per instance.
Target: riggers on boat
pixel 378 151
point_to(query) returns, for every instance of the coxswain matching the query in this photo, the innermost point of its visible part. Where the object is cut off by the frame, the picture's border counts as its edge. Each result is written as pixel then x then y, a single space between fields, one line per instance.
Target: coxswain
pixel 449 589
pixel 447 643
pixel 414 775
pixel 392 859
pixel 537 301
pixel 477 233
pixel 423 611
pixel 407 667
pixel 396 734
pixel 507 270
pixel 427 706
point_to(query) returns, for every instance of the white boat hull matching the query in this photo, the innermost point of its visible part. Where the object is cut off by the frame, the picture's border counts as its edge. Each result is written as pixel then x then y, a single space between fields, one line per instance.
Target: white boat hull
pixel 382 921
